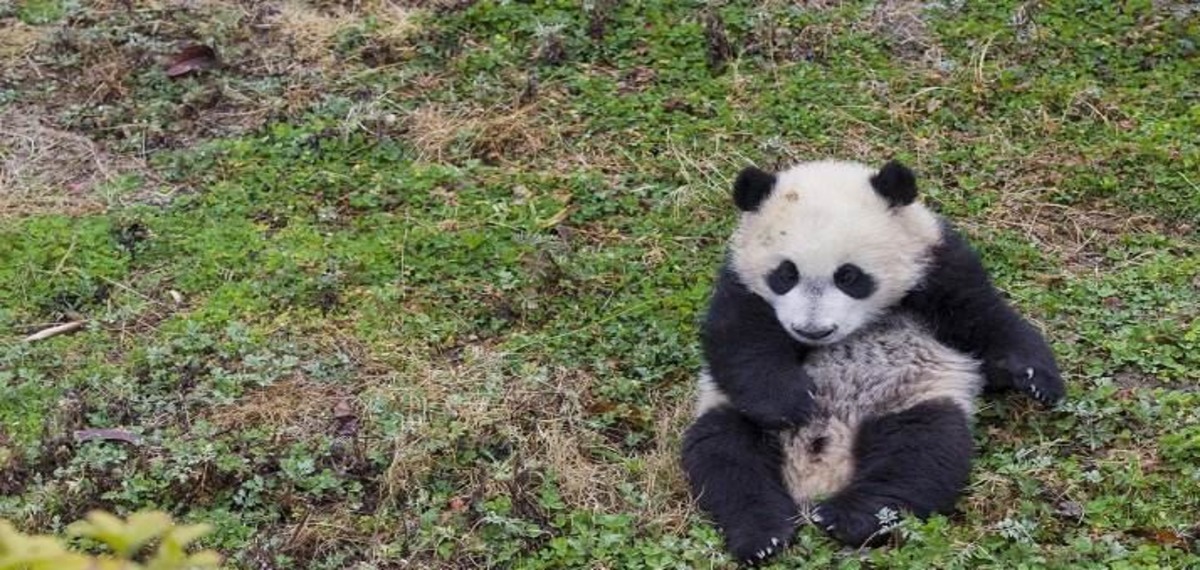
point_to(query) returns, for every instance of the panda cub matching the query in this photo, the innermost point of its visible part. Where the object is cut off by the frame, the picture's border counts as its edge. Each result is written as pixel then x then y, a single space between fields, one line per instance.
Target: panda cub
pixel 848 334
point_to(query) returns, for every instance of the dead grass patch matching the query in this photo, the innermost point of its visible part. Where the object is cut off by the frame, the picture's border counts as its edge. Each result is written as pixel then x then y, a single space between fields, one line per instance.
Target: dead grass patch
pixel 17 40
pixel 277 59
pixel 294 408
pixel 312 33
pixel 497 136
pixel 541 417
pixel 1078 235
pixel 44 169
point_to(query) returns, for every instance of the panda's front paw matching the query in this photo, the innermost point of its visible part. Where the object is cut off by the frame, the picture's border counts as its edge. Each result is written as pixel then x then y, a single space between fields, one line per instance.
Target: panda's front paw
pixel 783 413
pixel 1034 374
pixel 758 543
pixel 781 409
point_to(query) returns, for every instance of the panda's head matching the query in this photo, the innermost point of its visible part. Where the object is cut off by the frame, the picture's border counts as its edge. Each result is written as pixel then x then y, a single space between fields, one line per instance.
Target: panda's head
pixel 830 245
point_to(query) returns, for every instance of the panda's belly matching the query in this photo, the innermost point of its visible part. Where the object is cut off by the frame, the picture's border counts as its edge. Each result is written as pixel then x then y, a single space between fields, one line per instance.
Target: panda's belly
pixel 890 367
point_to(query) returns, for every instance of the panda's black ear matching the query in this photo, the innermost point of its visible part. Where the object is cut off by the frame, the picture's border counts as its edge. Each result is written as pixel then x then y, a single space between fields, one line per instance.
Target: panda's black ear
pixel 896 183
pixel 751 188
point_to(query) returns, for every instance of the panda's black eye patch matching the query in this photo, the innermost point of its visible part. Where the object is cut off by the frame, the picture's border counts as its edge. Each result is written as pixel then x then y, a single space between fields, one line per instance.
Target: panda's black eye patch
pixel 853 281
pixel 783 278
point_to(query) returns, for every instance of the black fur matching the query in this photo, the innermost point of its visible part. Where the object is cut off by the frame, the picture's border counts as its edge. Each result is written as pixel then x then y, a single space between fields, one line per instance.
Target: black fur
pixel 913 462
pixel 754 362
pixel 783 278
pixel 751 188
pixel 851 279
pixel 733 467
pixel 966 312
pixel 896 183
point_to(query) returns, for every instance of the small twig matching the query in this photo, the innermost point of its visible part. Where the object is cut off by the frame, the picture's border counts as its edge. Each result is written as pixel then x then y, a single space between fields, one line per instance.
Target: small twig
pixel 55 331
pixel 108 435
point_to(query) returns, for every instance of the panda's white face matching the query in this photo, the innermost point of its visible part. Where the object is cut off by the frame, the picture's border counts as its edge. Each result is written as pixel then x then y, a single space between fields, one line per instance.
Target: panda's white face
pixel 829 252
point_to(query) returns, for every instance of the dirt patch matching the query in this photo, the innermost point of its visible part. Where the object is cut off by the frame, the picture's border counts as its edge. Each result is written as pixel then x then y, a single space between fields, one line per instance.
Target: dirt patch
pixel 780 43
pixel 96 97
pixel 1078 235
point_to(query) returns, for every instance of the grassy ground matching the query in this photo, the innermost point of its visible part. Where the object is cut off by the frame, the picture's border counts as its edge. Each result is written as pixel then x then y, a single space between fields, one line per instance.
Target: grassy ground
pixel 416 284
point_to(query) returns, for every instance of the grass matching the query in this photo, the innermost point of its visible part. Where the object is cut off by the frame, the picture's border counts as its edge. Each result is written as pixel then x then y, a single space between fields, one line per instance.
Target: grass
pixel 416 285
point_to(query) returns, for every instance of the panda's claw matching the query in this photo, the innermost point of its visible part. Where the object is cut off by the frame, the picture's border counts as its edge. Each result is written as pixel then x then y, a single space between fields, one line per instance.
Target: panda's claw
pixel 774 541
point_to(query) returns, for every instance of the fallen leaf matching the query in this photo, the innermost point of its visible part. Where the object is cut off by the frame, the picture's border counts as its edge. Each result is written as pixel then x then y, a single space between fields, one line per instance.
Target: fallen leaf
pixel 108 435
pixel 345 418
pixel 191 59
pixel 459 504
pixel 1168 538
pixel 343 410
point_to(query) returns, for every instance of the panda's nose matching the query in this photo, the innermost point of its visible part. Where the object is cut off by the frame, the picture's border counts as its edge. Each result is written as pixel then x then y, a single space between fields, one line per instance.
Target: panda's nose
pixel 816 334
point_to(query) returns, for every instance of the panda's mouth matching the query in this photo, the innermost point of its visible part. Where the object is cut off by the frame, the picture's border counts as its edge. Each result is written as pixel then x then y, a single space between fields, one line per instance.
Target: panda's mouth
pixel 815 338
pixel 817 334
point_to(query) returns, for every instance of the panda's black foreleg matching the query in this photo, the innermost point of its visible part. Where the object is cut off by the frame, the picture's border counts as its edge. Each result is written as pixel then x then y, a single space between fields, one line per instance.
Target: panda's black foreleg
pixel 733 467
pixel 912 462
pixel 965 311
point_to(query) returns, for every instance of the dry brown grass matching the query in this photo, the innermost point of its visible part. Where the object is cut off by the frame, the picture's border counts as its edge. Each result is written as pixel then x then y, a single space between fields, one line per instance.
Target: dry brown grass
pixel 543 419
pixel 44 169
pixel 17 40
pixel 311 32
pixel 295 409
pixel 496 135
pixel 1077 235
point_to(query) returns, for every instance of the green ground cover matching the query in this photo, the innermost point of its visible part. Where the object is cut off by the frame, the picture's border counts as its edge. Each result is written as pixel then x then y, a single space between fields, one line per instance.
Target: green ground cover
pixel 416 284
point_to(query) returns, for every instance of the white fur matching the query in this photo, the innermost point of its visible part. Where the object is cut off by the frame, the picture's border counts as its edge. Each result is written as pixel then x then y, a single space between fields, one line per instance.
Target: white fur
pixel 821 215
pixel 708 396
pixel 888 367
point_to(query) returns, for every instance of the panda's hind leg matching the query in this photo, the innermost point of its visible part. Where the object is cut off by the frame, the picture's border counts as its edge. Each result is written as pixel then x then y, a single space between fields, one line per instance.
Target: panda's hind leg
pixel 916 461
pixel 734 470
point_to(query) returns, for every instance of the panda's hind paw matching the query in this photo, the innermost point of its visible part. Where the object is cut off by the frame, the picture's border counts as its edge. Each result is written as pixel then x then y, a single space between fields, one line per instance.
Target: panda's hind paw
pixel 756 547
